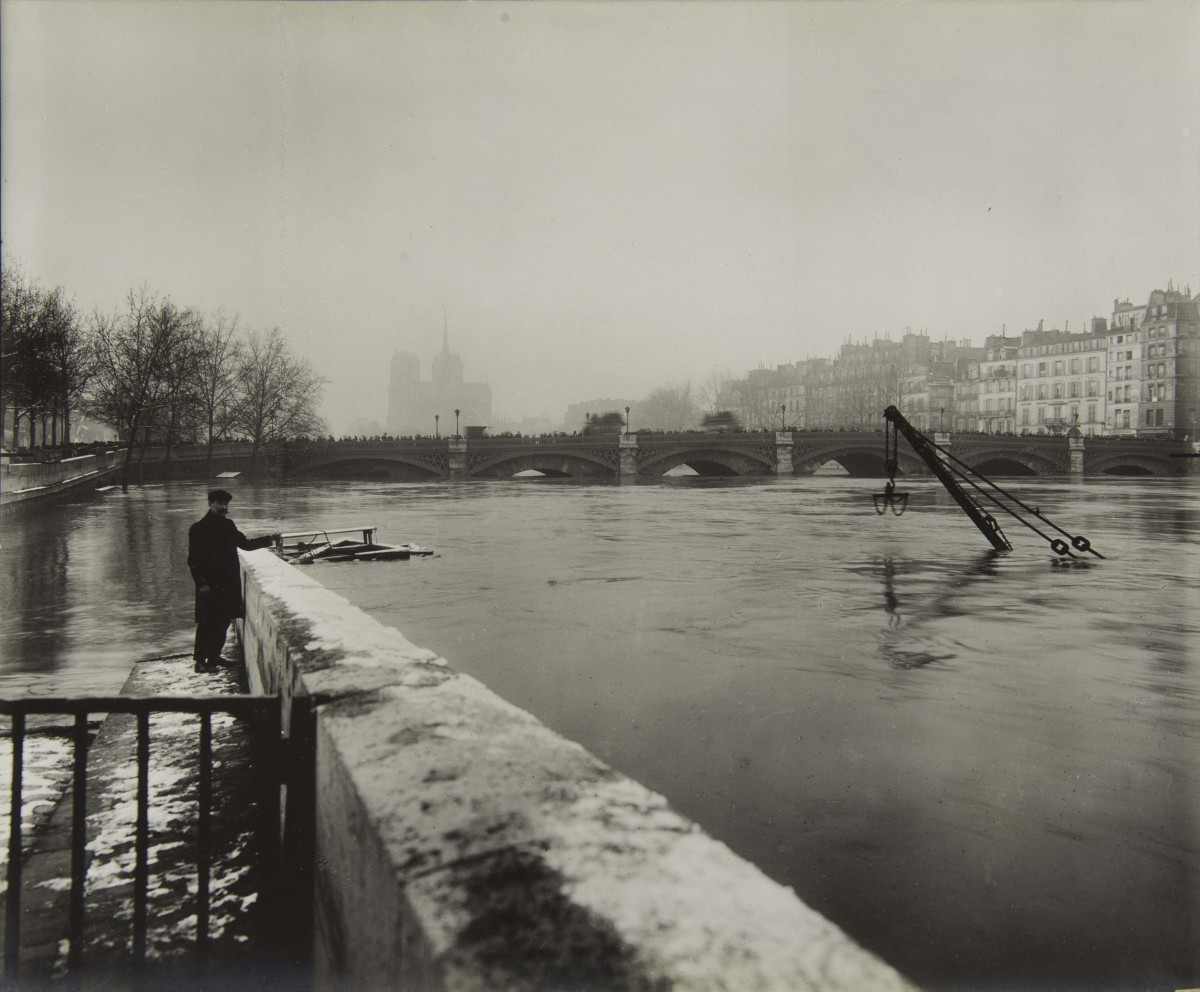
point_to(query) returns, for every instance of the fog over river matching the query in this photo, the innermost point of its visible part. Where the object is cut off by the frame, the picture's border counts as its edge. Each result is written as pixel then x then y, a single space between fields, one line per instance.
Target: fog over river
pixel 982 765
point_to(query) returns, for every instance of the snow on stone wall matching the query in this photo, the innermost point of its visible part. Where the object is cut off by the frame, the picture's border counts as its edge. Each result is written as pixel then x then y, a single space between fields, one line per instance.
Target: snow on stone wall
pixel 462 844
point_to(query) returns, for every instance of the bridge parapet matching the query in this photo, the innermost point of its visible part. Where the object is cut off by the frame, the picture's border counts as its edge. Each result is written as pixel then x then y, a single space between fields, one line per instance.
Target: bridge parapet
pixel 616 454
pixel 544 441
pixel 702 439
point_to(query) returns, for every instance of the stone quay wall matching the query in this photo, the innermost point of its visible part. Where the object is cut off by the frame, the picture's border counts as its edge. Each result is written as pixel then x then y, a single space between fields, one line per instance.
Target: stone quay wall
pixel 461 844
pixel 24 484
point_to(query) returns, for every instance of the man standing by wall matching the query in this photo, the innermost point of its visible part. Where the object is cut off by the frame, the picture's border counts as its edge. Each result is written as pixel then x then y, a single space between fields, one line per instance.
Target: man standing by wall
pixel 212 558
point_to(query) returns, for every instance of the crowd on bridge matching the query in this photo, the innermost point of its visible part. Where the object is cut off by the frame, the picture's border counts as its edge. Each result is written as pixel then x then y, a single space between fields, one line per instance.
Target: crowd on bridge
pixel 58 452
pixel 386 440
pixel 53 453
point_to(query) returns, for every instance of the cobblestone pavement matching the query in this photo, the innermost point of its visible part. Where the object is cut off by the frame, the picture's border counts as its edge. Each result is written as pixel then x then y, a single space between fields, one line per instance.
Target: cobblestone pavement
pixel 234 921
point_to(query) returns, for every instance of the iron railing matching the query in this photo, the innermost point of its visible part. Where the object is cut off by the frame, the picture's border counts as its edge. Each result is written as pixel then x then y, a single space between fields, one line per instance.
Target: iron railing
pixel 284 835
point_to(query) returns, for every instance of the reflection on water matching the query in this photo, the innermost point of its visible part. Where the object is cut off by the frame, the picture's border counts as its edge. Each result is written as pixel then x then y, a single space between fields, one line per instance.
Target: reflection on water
pixel 980 764
pixel 896 640
pixel 93 585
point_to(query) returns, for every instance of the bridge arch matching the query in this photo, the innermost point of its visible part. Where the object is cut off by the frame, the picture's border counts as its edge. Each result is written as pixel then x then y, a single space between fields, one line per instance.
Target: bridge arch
pixel 1124 461
pixel 711 461
pixel 860 459
pixel 1010 463
pixel 1002 465
pixel 368 467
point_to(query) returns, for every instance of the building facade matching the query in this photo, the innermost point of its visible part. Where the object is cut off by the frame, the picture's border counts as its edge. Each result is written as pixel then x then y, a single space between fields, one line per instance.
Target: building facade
pixel 851 391
pixel 985 391
pixel 1136 374
pixel 1154 366
pixel 1060 381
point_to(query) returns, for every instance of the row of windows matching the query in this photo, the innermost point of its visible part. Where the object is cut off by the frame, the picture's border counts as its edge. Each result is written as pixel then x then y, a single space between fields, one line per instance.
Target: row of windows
pixel 1055 415
pixel 1165 332
pixel 1063 347
pixel 1125 418
pixel 1059 367
pixel 1155 393
pixel 1059 391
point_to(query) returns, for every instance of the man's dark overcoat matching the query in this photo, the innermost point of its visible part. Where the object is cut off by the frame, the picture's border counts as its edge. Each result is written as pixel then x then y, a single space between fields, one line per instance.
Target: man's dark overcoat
pixel 212 557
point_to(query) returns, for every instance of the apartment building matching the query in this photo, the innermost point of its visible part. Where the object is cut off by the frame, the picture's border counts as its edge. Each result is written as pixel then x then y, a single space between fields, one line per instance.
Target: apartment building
pixel 985 395
pixel 1061 380
pixel 1136 374
pixel 1154 366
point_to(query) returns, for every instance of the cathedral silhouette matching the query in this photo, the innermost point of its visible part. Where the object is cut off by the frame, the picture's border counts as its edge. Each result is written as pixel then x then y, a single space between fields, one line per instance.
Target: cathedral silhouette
pixel 414 403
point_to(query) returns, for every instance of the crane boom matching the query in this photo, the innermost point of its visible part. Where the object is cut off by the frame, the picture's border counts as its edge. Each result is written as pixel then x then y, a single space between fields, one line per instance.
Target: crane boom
pixel 925 449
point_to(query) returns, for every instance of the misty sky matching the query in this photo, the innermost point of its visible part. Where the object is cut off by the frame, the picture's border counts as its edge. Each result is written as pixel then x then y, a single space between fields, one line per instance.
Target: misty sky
pixel 602 197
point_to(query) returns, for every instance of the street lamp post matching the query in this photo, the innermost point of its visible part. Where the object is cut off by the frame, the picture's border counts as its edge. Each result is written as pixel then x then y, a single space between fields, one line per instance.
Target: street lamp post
pixel 456 433
pixel 627 421
pixel 436 430
pixel 783 416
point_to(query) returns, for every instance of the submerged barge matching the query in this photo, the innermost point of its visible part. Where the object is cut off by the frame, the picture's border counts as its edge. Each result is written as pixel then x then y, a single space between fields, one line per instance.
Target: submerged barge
pixel 308 547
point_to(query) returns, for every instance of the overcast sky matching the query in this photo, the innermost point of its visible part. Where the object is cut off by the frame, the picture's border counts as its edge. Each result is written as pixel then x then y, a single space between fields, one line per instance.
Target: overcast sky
pixel 603 197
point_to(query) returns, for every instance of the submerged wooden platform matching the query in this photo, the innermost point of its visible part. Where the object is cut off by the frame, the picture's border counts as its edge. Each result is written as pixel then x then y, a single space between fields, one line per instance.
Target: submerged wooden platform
pixel 308 547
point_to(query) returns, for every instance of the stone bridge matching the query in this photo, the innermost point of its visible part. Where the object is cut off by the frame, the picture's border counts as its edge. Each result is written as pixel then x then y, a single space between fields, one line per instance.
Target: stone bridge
pixel 651 455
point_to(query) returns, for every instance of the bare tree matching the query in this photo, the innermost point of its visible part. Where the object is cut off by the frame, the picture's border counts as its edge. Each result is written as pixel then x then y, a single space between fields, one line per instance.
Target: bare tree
pixel 278 393
pixel 217 365
pixel 69 354
pixel 756 401
pixel 796 415
pixel 867 388
pixel 860 399
pixel 134 353
pixel 179 414
pixel 45 353
pixel 19 300
pixel 719 391
pixel 669 408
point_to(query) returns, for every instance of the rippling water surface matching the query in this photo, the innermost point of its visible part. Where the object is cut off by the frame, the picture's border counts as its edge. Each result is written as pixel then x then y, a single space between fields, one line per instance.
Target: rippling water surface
pixel 982 765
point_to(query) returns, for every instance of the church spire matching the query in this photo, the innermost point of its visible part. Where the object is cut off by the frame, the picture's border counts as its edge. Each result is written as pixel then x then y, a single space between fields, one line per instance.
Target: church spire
pixel 447 367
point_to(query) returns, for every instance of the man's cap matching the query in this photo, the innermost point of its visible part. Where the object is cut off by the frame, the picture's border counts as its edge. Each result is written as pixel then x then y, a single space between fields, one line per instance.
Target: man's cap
pixel 219 496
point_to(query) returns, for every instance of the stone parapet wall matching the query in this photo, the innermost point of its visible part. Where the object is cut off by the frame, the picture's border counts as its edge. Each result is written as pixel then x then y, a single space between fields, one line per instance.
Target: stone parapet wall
pixel 27 487
pixel 197 452
pixel 461 844
pixel 21 475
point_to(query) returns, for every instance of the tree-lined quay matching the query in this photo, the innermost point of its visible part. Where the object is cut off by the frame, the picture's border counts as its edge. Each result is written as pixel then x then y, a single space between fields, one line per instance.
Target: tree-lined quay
pixel 154 372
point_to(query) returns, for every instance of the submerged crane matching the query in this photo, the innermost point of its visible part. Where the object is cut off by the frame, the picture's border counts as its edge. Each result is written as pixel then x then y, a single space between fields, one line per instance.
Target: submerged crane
pixel 946 467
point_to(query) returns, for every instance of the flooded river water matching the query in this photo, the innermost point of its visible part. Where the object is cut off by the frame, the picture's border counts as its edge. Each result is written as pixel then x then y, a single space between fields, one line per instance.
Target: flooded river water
pixel 982 765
